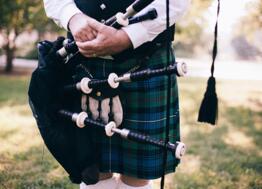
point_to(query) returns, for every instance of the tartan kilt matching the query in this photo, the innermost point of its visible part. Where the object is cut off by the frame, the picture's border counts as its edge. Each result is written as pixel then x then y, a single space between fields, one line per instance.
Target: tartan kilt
pixel 144 105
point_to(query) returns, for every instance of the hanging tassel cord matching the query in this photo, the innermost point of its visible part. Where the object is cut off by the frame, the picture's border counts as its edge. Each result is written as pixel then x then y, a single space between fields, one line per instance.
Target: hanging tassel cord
pixel 208 112
pixel 214 52
pixel 162 184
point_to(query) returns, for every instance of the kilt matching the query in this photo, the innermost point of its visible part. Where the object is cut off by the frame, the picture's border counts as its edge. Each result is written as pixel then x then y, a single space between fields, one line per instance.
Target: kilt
pixel 144 105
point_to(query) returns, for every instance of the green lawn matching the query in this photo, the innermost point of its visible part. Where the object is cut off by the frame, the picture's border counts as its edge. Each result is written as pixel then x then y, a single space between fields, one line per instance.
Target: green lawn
pixel 226 156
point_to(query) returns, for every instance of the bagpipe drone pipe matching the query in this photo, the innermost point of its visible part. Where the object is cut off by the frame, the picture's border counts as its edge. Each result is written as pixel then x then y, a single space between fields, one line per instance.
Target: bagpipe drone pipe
pixel 55 83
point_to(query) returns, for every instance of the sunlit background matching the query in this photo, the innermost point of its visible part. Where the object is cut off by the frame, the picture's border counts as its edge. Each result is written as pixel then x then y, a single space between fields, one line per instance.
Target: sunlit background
pixel 228 155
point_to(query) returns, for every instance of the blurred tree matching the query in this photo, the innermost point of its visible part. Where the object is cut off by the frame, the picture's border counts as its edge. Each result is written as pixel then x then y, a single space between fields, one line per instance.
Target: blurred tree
pixel 189 30
pixel 17 16
pixel 248 32
pixel 253 21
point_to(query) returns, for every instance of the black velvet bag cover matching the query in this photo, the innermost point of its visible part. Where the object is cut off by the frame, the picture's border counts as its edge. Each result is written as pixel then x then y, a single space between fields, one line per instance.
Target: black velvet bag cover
pixel 71 146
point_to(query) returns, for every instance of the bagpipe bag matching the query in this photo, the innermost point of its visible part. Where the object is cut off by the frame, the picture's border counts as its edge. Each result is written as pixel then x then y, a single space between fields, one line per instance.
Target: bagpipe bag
pixel 75 148
pixel 65 141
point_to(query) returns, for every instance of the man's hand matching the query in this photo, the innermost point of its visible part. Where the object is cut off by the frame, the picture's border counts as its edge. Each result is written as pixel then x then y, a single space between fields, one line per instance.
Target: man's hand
pixel 108 41
pixel 80 29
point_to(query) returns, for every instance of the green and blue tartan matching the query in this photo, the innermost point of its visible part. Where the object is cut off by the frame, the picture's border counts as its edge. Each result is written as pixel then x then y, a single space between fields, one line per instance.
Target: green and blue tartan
pixel 144 104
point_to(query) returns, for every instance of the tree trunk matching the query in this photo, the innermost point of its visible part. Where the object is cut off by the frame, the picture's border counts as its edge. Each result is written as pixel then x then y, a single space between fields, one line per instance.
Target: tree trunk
pixel 9 58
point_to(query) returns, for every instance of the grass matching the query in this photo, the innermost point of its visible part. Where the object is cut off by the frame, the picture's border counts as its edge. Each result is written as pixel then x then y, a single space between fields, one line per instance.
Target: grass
pixel 228 155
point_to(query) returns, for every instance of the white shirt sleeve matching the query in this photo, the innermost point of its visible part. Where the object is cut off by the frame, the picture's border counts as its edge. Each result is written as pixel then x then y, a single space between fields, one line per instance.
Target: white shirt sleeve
pixel 61 12
pixel 148 30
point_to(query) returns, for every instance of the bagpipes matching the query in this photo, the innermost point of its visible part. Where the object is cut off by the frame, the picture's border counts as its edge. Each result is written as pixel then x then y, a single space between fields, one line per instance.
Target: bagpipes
pixel 82 120
pixel 86 85
pixel 117 21
pixel 52 88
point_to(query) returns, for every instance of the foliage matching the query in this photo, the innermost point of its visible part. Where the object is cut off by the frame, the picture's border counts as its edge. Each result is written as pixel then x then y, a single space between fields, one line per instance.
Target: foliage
pixel 225 156
pixel 253 21
pixel 190 29
pixel 20 15
pixel 248 33
pixel 17 16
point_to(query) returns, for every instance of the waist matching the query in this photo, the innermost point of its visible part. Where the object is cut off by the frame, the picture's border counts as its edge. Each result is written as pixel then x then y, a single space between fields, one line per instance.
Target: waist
pixel 100 68
pixel 147 48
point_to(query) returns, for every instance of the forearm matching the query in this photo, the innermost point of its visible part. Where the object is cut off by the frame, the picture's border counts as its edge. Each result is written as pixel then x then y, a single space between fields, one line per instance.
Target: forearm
pixel 148 30
pixel 133 35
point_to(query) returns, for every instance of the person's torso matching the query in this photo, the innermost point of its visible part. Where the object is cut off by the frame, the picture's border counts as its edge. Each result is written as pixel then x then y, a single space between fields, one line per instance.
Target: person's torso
pixel 102 9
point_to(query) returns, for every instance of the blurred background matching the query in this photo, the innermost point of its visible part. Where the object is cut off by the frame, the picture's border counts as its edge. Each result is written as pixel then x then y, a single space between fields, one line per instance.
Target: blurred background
pixel 228 155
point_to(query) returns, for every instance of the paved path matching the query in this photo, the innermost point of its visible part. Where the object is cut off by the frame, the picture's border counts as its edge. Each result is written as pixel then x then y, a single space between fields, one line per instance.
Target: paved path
pixel 235 70
pixel 23 63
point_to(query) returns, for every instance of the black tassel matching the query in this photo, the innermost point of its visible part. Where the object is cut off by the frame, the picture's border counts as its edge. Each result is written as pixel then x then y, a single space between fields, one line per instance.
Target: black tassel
pixel 208 112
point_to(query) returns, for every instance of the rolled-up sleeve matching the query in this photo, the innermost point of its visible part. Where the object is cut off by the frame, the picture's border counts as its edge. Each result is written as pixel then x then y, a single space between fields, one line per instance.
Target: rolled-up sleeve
pixel 61 11
pixel 148 30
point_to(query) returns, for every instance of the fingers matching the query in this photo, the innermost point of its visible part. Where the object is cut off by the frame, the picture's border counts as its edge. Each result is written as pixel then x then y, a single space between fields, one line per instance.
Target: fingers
pixel 84 34
pixel 88 31
pixel 80 28
pixel 94 38
pixel 88 45
pixel 95 25
pixel 91 48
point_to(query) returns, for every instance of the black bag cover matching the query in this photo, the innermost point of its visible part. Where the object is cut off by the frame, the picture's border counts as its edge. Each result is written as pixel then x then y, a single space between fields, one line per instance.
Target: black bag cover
pixel 71 146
